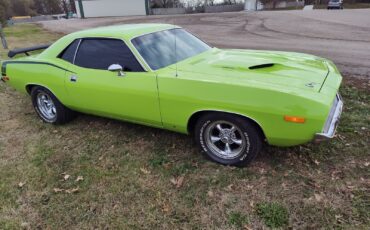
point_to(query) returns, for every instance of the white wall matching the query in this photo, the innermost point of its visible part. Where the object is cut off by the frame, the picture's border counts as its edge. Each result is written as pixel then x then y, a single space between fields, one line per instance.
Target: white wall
pixel 250 5
pixel 110 8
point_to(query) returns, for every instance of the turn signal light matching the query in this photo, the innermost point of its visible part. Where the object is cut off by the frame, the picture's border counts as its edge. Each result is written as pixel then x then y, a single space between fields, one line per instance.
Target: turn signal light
pixel 295 119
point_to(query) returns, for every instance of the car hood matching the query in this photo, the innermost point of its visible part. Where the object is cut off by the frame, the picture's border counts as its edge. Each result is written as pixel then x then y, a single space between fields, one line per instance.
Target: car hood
pixel 286 69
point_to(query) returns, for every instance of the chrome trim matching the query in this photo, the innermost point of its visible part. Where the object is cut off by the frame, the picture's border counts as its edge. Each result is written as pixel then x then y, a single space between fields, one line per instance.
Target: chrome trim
pixel 46 106
pixel 329 132
pixel 146 69
pixel 229 143
pixel 78 46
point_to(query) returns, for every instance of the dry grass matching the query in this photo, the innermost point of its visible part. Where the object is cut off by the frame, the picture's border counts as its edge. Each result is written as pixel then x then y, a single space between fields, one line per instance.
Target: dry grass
pixel 127 171
pixel 25 35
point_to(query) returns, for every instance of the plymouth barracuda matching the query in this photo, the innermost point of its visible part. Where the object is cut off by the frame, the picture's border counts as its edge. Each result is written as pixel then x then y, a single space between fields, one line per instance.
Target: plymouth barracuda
pixel 232 101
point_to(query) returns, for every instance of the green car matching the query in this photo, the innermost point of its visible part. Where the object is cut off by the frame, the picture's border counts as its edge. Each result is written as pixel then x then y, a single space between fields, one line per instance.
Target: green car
pixel 232 101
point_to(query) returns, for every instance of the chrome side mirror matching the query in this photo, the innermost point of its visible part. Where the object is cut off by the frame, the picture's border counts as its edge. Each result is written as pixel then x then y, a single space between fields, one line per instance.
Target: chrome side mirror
pixel 117 68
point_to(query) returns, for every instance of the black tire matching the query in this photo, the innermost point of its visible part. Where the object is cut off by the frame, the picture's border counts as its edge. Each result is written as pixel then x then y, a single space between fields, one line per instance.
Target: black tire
pixel 62 114
pixel 246 131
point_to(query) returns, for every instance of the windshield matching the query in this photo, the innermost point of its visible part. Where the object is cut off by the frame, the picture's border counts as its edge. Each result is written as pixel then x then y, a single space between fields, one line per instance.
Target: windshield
pixel 158 49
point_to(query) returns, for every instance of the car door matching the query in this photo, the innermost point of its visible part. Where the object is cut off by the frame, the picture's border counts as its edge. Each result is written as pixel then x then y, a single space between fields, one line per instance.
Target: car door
pixel 93 89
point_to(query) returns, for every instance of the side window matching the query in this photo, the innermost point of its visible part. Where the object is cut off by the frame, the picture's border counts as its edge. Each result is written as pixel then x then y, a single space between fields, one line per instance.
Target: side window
pixel 69 52
pixel 101 53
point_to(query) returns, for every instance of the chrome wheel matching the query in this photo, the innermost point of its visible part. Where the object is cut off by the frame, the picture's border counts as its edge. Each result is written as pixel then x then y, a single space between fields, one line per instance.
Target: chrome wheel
pixel 46 106
pixel 225 139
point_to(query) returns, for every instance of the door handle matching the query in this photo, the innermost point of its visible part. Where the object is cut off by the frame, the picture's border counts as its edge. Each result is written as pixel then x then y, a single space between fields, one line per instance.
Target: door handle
pixel 73 78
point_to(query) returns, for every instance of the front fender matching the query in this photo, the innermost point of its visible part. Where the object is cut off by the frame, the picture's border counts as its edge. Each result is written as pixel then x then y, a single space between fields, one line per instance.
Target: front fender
pixel 180 98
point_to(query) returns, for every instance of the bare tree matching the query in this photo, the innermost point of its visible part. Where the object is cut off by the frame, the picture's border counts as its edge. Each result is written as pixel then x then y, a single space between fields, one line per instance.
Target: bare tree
pixel 50 6
pixel 10 8
pixel 23 8
pixel 5 11
pixel 166 3
pixel 209 3
pixel 230 2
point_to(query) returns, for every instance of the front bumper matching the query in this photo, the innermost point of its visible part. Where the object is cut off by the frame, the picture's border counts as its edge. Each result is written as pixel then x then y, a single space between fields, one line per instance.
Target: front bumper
pixel 332 121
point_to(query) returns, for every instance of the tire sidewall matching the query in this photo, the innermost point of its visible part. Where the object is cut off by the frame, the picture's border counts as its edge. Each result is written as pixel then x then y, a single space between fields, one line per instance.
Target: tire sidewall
pixel 249 132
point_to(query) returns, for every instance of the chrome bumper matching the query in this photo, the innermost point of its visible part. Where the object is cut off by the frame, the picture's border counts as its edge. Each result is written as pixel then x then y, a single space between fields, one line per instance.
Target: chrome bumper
pixel 332 121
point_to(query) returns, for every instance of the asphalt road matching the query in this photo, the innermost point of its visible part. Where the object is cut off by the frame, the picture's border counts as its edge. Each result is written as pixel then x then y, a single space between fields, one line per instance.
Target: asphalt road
pixel 340 35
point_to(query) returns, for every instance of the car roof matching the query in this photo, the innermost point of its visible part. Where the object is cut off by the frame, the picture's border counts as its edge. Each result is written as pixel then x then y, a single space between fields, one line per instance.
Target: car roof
pixel 127 31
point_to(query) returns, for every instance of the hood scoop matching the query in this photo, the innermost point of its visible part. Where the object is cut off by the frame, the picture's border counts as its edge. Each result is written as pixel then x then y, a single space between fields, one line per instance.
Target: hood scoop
pixel 262 66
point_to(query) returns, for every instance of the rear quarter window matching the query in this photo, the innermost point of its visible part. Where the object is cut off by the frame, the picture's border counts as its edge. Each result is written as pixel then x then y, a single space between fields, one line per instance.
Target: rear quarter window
pixel 68 53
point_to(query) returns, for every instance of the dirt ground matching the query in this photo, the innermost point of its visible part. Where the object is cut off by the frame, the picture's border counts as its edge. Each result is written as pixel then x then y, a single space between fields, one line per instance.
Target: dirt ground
pixel 342 36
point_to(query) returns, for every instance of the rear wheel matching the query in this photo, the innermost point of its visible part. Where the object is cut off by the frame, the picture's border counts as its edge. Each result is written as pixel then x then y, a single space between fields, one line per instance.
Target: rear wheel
pixel 49 108
pixel 228 139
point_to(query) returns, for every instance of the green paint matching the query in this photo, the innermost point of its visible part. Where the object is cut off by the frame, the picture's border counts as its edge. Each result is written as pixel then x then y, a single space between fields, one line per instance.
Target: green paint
pixel 217 80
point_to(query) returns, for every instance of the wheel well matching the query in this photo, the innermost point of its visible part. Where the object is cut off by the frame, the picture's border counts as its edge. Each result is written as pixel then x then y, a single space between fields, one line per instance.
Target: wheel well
pixel 195 117
pixel 29 88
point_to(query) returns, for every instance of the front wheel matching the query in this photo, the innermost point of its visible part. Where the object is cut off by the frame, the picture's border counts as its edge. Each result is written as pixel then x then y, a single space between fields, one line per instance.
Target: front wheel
pixel 228 139
pixel 49 108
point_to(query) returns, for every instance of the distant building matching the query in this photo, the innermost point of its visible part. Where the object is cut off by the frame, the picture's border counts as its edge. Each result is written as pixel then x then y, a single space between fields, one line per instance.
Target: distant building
pixel 251 5
pixel 111 8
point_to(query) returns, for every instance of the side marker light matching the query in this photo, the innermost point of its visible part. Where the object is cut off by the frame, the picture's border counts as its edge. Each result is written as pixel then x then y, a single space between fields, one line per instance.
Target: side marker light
pixel 295 119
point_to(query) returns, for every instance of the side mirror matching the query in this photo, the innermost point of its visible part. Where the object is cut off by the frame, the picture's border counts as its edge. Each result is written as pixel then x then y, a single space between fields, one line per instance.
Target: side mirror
pixel 117 68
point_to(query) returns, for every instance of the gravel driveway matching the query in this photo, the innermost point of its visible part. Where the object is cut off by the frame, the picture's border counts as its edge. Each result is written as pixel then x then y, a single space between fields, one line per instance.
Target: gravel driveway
pixel 342 36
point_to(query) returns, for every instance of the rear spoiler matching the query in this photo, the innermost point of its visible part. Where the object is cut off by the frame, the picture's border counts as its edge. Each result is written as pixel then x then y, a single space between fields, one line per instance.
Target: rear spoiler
pixel 14 52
